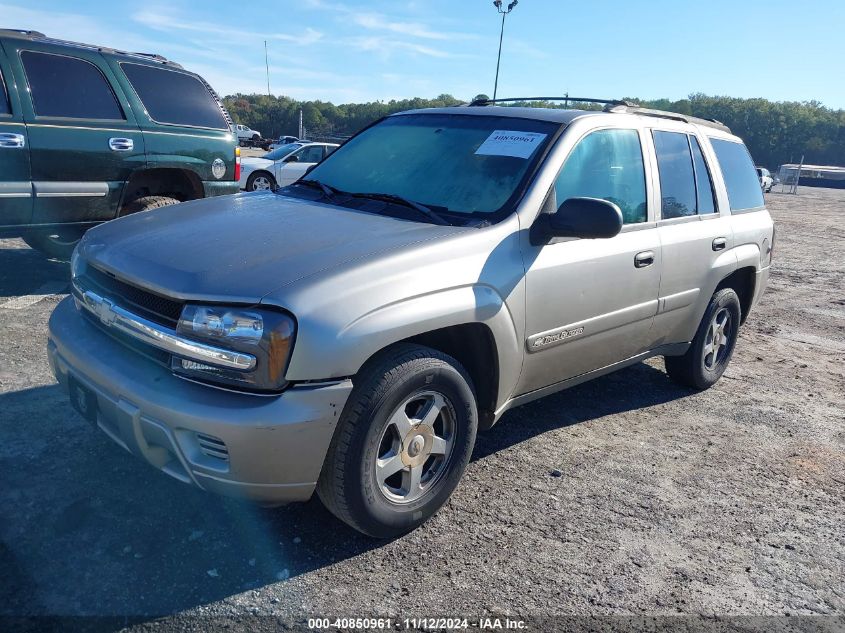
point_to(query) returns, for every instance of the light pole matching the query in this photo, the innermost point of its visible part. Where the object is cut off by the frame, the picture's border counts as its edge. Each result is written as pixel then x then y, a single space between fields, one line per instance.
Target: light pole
pixel 504 12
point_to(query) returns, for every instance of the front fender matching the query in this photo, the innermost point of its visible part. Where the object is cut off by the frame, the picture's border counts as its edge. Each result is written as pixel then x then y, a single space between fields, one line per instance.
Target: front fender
pixel 369 333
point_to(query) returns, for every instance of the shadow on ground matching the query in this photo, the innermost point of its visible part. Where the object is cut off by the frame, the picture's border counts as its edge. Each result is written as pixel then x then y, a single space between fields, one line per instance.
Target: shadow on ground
pixel 86 528
pixel 24 271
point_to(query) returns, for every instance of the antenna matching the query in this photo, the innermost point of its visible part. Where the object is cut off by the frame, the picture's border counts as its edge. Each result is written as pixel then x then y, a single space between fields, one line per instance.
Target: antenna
pixel 267 66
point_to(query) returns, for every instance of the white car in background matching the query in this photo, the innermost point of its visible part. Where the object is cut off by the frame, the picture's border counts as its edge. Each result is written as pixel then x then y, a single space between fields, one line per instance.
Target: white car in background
pixel 282 166
pixel 246 134
pixel 766 180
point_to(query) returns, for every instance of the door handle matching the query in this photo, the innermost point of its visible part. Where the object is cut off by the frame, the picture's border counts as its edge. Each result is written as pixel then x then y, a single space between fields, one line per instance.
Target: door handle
pixel 646 258
pixel 719 244
pixel 12 141
pixel 121 144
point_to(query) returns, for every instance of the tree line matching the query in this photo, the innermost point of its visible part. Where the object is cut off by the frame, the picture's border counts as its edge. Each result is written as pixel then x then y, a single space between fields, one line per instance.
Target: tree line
pixel 775 132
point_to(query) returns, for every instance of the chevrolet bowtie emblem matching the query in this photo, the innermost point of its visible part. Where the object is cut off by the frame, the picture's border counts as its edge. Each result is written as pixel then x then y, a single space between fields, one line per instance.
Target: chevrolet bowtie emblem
pixel 100 306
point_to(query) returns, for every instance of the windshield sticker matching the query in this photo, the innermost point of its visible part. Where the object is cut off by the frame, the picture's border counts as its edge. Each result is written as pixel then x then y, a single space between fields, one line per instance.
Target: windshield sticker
pixel 510 143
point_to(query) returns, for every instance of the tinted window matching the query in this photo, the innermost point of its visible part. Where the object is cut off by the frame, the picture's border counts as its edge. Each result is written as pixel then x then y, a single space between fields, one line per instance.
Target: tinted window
pixel 677 179
pixel 69 87
pixel 175 97
pixel 607 164
pixel 4 97
pixel 740 176
pixel 703 183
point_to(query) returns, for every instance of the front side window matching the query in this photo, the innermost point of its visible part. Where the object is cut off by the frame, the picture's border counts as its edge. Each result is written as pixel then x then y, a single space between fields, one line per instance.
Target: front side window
pixel 454 163
pixel 740 177
pixel 69 87
pixel 677 176
pixel 174 97
pixel 312 154
pixel 607 164
pixel 5 108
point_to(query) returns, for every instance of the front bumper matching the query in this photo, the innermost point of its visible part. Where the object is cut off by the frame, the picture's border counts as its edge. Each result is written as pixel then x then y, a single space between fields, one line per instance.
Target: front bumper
pixel 269 449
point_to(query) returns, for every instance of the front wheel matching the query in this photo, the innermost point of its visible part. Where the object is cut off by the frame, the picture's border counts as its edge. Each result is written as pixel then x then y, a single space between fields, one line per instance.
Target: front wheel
pixel 711 349
pixel 57 243
pixel 260 181
pixel 402 443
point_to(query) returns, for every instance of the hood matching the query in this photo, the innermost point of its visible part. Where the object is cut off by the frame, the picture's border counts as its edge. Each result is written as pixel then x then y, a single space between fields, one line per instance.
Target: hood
pixel 239 248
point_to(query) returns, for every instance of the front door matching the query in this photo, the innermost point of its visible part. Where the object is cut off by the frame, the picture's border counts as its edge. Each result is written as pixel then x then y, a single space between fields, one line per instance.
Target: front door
pixel 15 181
pixel 84 141
pixel 591 302
pixel 293 167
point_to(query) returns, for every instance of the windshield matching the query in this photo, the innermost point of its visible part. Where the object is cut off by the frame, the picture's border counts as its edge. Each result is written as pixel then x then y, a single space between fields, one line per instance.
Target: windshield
pixel 459 163
pixel 281 152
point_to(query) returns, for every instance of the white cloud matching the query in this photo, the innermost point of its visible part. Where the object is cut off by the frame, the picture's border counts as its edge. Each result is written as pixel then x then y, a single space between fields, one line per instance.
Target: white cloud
pixel 378 22
pixel 162 21
pixel 385 47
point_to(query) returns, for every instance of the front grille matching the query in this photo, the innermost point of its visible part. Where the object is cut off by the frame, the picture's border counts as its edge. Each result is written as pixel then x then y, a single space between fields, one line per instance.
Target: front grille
pixel 212 446
pixel 144 303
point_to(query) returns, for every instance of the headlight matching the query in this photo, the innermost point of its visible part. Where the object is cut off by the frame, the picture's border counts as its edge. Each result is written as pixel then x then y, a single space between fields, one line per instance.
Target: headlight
pixel 75 263
pixel 265 334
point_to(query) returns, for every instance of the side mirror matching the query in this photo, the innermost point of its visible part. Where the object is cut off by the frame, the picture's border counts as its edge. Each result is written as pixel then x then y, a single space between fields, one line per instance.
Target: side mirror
pixel 586 218
pixel 292 159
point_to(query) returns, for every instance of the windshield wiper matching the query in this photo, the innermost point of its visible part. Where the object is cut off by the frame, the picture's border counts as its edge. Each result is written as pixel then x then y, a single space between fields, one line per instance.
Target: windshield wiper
pixel 420 208
pixel 327 190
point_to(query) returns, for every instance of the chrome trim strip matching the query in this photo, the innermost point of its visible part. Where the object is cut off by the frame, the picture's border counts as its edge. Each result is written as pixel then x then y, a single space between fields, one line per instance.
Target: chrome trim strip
pixel 70 189
pixel 162 338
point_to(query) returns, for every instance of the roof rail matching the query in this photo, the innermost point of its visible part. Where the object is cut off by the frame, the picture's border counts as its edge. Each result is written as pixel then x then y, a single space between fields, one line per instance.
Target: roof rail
pixel 102 49
pixel 616 102
pixel 22 32
pixel 663 114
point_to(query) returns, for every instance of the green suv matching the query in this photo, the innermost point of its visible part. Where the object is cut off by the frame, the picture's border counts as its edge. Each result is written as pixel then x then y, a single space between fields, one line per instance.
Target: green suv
pixel 89 133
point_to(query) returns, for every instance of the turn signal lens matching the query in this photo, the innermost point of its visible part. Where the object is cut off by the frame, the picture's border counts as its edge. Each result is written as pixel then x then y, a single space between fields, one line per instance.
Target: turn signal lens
pixel 237 163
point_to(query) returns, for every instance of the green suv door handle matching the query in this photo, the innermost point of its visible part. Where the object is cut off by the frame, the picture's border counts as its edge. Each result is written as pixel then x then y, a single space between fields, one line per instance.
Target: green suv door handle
pixel 12 141
pixel 121 144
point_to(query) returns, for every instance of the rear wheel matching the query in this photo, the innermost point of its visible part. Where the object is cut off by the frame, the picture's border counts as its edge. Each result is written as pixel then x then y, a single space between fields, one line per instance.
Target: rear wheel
pixel 57 243
pixel 147 203
pixel 711 349
pixel 402 443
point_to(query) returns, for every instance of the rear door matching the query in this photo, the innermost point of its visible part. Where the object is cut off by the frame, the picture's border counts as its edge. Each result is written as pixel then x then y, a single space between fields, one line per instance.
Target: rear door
pixel 293 167
pixel 84 141
pixel 694 228
pixel 15 181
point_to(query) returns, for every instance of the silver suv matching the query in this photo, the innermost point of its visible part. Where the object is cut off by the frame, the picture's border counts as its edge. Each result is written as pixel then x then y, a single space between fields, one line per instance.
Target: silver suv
pixel 351 332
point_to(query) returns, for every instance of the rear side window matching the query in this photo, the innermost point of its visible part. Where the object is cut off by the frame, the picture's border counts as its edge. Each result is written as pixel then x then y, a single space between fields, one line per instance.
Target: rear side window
pixel 703 182
pixel 174 97
pixel 741 178
pixel 4 97
pixel 677 176
pixel 606 164
pixel 69 87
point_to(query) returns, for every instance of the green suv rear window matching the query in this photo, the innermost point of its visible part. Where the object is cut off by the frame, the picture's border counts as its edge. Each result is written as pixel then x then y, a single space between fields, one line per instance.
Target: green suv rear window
pixel 4 97
pixel 174 97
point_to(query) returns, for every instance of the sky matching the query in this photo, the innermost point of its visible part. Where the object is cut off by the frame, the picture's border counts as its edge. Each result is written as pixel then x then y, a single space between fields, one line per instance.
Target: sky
pixel 392 49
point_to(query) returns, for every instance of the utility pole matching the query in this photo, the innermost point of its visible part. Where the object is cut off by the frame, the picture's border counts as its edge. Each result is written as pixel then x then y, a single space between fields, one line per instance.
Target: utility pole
pixel 267 67
pixel 504 12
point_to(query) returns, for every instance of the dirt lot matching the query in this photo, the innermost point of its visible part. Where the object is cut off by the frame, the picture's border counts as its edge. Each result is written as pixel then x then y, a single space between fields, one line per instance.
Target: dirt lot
pixel 728 502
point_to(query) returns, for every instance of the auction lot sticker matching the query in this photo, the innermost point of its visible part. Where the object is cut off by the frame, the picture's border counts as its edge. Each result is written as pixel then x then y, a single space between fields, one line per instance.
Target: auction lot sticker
pixel 510 143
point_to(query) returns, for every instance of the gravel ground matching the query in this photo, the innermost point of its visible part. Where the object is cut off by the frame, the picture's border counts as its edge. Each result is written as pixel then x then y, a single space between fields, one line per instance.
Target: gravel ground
pixel 625 496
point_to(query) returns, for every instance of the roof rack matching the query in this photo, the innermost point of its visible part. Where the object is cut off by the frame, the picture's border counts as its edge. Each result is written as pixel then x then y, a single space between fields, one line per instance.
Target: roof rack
pixel 615 102
pixel 37 35
pixel 663 114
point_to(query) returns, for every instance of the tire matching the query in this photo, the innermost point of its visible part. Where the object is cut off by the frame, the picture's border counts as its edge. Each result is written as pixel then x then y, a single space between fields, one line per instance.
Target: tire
pixel 57 243
pixel 260 181
pixel 431 397
pixel 146 203
pixel 256 137
pixel 702 365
